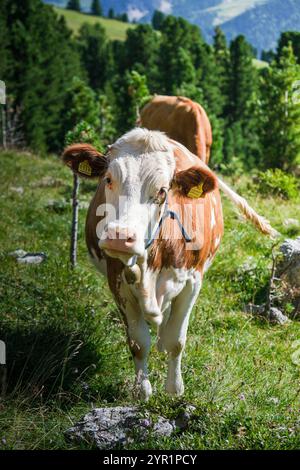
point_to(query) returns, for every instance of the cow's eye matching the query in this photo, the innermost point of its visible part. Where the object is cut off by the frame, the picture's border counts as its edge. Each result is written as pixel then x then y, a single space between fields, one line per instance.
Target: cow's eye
pixel 107 181
pixel 161 196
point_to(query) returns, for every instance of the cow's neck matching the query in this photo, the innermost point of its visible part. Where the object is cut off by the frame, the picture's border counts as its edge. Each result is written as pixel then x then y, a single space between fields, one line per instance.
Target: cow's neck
pixel 142 282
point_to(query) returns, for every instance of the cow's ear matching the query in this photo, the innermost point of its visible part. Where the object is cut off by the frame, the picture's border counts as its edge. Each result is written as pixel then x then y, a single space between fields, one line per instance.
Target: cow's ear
pixel 85 160
pixel 195 182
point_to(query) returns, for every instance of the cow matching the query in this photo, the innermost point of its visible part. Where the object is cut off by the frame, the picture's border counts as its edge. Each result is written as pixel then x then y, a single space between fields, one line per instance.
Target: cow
pixel 181 119
pixel 153 228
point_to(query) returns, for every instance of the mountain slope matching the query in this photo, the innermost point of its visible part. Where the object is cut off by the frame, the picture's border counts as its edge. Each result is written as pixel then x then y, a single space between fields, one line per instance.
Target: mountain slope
pixel 263 24
pixel 261 21
pixel 114 29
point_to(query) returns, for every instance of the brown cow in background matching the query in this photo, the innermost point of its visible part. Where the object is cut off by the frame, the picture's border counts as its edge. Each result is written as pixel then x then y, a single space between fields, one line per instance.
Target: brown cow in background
pixel 182 120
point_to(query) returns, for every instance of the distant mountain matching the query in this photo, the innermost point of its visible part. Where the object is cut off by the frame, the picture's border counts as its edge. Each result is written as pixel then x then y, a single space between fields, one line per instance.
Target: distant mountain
pixel 263 24
pixel 261 21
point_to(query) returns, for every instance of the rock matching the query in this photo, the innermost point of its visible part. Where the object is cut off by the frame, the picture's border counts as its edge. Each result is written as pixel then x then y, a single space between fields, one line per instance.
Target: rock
pixel 32 258
pixel 17 189
pixel 184 417
pixel 287 275
pixel 276 316
pixel 17 253
pixel 284 291
pixel 163 427
pixel 289 265
pixel 183 420
pixel 108 428
pixel 291 223
pixel 273 314
pixel 23 257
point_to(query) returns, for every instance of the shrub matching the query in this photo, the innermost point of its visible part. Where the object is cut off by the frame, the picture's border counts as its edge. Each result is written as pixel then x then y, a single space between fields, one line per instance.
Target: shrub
pixel 278 183
pixel 85 133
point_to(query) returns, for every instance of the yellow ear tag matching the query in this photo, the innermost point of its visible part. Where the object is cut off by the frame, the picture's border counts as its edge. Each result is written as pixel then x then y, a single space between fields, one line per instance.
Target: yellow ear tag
pixel 85 168
pixel 196 191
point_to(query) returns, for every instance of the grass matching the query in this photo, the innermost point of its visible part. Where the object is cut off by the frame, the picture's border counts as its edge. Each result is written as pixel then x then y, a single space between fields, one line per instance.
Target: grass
pixel 66 347
pixel 115 29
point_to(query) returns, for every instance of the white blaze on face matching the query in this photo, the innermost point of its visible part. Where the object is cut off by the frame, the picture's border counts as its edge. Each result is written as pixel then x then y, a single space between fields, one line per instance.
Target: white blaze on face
pixel 142 163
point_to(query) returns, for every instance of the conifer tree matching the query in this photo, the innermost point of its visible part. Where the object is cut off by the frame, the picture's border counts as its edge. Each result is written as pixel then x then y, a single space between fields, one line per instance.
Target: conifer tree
pixel 74 5
pixel 96 54
pixel 111 13
pixel 222 61
pixel 209 81
pixel 141 51
pixel 81 105
pixel 4 35
pixel 41 69
pixel 176 61
pixel 157 19
pixel 280 127
pixel 96 8
pixel 131 93
pixel 292 37
pixel 243 79
pixel 240 113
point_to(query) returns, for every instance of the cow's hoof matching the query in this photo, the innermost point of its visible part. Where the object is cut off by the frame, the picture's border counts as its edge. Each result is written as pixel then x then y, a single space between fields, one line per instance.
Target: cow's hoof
pixel 145 390
pixel 175 389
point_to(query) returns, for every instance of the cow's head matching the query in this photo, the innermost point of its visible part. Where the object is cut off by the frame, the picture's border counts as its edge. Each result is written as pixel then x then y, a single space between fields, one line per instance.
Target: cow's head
pixel 138 171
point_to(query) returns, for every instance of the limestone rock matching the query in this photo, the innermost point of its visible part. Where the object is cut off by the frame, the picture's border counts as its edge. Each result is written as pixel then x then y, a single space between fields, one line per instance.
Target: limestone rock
pixel 24 257
pixel 108 428
pixel 289 265
pixel 273 314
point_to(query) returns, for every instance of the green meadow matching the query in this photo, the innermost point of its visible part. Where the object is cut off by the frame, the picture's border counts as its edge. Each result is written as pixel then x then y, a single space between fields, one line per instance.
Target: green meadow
pixel 114 29
pixel 66 345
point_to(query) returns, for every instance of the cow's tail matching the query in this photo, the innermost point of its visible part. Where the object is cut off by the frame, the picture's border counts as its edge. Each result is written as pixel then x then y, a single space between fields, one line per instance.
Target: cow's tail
pixel 258 221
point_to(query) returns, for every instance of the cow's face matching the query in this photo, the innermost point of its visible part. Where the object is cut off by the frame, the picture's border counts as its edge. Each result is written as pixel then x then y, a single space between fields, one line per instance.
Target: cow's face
pixel 138 171
pixel 136 185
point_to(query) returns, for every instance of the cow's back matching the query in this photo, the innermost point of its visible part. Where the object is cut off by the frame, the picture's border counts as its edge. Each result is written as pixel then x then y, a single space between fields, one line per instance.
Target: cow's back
pixel 182 120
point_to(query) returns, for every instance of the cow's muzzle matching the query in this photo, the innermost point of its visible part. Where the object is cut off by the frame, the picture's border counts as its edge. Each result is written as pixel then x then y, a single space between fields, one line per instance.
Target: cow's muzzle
pixel 122 240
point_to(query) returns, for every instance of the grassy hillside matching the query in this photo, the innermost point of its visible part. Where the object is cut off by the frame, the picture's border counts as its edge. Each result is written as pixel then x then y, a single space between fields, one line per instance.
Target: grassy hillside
pixel 114 29
pixel 66 346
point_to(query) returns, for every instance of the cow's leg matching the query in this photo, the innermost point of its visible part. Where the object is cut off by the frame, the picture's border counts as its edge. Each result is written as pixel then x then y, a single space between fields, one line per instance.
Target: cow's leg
pixel 173 334
pixel 139 341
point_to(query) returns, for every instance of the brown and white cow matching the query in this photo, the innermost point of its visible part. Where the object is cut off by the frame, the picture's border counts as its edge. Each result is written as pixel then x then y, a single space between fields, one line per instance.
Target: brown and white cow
pixel 181 119
pixel 153 228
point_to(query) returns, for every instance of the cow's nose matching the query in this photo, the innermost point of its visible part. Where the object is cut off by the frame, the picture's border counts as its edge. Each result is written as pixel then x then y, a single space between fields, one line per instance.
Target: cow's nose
pixel 120 239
